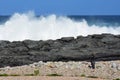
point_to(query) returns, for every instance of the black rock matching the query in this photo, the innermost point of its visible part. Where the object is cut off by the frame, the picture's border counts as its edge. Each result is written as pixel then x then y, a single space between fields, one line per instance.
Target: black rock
pixel 103 47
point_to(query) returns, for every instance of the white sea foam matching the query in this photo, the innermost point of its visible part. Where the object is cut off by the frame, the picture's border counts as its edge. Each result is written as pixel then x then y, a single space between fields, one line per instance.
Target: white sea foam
pixel 27 26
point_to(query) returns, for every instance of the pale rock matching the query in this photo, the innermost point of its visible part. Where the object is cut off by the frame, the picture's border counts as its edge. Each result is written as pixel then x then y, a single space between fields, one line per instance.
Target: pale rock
pixel 114 65
pixel 118 67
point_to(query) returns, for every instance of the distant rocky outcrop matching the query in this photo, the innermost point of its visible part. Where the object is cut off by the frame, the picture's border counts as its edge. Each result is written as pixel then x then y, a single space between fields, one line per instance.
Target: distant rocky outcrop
pixel 103 47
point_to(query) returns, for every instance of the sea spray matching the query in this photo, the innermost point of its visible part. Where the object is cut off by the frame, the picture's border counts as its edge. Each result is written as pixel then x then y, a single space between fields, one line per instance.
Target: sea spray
pixel 28 26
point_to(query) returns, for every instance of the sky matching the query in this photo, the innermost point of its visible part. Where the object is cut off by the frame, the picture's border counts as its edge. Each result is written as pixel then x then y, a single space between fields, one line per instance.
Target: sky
pixel 61 7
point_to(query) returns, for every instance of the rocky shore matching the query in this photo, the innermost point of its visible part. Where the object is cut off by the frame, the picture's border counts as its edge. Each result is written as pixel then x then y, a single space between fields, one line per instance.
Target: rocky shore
pixel 103 47
pixel 67 56
pixel 107 70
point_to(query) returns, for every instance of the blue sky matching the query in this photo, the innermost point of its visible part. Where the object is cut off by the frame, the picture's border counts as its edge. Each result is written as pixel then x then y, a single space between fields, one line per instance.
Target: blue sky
pixel 61 7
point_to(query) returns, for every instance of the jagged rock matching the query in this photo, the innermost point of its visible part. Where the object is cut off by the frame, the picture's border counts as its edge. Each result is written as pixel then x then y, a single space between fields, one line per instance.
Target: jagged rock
pixel 67 39
pixel 103 47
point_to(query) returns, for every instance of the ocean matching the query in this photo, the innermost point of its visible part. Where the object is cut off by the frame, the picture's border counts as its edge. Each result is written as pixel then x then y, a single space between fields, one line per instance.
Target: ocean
pixel 19 27
pixel 109 21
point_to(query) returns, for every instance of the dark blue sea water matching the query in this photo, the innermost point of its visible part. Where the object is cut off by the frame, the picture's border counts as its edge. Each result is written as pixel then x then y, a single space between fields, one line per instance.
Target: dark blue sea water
pixel 99 20
pixel 3 19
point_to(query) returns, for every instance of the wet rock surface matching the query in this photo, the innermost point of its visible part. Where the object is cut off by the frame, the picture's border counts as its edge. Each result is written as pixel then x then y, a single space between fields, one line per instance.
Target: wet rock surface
pixel 103 47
